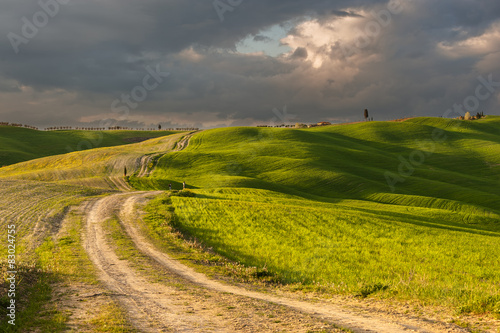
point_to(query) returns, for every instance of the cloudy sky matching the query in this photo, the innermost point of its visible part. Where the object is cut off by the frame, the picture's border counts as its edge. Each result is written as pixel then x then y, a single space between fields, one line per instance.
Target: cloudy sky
pixel 209 63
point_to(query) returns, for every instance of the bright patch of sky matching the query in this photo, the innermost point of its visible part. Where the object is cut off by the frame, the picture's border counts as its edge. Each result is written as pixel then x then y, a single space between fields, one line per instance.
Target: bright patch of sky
pixel 266 41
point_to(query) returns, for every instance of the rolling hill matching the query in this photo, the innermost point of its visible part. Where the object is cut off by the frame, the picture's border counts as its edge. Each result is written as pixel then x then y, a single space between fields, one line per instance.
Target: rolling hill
pixel 450 161
pixel 19 144
pixel 406 210
pixel 99 167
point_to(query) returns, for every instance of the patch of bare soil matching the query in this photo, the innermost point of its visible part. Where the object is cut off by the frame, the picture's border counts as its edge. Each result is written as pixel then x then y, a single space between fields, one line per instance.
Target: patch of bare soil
pixel 82 303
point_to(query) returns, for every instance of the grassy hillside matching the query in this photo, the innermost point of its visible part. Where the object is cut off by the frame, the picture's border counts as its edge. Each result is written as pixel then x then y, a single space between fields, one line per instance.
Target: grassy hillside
pixel 408 210
pixel 22 144
pixel 98 167
pixel 454 162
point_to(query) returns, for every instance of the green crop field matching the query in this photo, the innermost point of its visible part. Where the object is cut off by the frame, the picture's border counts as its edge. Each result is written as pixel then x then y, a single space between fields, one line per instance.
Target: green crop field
pixel 454 161
pixel 353 246
pixel 406 210
pixel 22 144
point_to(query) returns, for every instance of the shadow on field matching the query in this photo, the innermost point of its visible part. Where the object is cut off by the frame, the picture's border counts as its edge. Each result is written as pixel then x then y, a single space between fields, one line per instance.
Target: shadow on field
pixel 424 222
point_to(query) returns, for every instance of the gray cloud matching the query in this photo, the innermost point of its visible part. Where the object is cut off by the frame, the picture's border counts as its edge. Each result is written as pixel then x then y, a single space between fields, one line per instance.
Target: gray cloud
pixel 300 52
pixel 423 61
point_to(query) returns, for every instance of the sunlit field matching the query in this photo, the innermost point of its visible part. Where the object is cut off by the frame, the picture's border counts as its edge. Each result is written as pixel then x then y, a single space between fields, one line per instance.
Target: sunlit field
pixel 352 246
pixel 329 206
pixel 405 210
pixel 21 144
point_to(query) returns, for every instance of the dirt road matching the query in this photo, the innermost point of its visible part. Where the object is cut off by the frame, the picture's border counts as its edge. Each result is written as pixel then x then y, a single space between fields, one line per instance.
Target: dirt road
pixel 146 160
pixel 183 142
pixel 191 302
pixel 175 304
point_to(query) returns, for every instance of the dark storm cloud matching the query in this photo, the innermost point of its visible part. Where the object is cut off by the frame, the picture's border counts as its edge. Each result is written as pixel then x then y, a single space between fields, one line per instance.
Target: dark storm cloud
pixel 103 45
pixel 92 52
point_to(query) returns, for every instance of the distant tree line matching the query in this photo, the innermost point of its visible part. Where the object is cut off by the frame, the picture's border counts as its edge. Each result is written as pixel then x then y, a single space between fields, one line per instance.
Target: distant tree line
pixel 3 123
pixel 113 128
pixel 116 128
pixel 282 125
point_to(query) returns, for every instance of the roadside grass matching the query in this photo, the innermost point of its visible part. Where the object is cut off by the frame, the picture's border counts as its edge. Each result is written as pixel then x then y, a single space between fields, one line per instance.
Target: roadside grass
pixel 125 249
pixel 64 255
pixel 67 262
pixel 159 228
pixel 22 144
pixel 111 319
pixel 33 291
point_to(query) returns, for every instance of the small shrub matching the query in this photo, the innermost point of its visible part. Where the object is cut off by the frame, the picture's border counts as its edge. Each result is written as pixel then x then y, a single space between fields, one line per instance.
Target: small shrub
pixel 370 289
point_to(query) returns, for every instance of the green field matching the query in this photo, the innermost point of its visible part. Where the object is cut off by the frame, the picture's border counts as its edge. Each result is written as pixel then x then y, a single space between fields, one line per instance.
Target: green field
pixel 93 167
pixel 21 144
pixel 318 206
pixel 407 210
pixel 352 246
